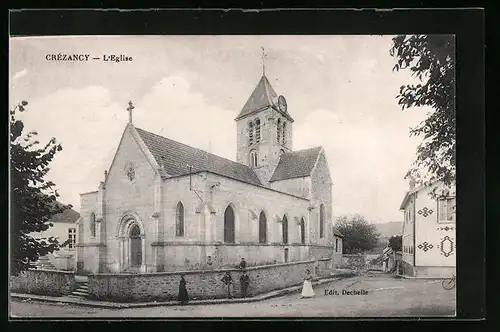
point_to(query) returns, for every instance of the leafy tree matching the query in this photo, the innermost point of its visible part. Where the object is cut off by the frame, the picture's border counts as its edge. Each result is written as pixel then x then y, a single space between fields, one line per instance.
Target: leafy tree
pixel 359 236
pixel 32 198
pixel 396 242
pixel 430 58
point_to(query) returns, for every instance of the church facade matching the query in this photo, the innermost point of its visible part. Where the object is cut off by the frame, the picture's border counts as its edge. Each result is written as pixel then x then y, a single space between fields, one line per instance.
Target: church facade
pixel 166 206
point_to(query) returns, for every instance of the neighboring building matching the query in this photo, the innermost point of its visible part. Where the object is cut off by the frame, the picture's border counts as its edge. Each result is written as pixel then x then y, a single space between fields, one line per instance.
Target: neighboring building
pixel 166 206
pixel 63 228
pixel 429 242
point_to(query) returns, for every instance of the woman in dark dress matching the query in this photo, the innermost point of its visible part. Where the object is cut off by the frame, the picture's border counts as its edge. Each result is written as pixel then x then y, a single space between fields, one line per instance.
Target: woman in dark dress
pixel 183 294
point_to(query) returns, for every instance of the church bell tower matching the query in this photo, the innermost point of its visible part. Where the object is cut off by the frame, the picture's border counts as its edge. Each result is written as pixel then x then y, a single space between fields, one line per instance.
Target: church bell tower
pixel 264 130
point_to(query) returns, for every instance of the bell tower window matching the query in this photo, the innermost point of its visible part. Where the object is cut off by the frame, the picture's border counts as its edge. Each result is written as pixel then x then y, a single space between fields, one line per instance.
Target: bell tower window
pixel 253 158
pixel 278 132
pixel 250 133
pixel 257 130
pixel 284 133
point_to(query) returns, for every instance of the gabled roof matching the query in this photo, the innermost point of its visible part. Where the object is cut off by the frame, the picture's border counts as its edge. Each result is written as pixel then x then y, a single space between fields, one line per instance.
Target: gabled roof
pixel 262 97
pixel 175 158
pixel 414 190
pixel 67 216
pixel 296 164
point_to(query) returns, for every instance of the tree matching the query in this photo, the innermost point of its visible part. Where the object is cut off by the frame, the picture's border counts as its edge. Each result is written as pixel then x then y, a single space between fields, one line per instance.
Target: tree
pixel 359 236
pixel 32 199
pixel 430 58
pixel 396 242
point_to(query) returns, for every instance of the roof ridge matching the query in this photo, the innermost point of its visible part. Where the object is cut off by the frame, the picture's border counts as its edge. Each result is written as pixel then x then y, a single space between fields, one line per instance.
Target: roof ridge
pixel 306 149
pixel 192 147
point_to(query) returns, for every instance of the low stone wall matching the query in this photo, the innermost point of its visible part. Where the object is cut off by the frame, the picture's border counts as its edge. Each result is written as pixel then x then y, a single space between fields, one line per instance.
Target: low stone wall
pixel 43 282
pixel 353 262
pixel 201 284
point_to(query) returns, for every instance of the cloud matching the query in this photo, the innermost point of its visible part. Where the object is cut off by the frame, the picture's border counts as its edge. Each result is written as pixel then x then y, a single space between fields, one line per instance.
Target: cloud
pixel 20 74
pixel 367 163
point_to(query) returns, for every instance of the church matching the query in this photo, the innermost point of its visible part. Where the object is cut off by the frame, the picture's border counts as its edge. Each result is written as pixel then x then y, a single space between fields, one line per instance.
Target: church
pixel 166 206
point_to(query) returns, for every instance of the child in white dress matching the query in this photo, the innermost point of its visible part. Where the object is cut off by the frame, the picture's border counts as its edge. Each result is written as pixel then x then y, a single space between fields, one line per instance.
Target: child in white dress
pixel 307 290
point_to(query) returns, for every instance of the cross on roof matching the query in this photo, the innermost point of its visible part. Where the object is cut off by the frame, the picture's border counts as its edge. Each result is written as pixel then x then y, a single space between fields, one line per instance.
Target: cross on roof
pixel 129 109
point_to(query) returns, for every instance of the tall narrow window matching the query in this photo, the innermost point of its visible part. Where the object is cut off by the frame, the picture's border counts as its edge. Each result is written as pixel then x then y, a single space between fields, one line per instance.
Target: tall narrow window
pixel 278 131
pixel 229 225
pixel 284 229
pixel 257 130
pixel 250 133
pixel 302 231
pixel 283 133
pixel 253 158
pixel 179 220
pixel 262 228
pixel 92 224
pixel 337 245
pixel 71 238
pixel 322 221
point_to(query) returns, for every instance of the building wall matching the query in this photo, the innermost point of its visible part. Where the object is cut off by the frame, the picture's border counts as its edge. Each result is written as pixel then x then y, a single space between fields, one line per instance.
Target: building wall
pixel 59 230
pixel 298 186
pixel 408 238
pixel 439 235
pixel 321 193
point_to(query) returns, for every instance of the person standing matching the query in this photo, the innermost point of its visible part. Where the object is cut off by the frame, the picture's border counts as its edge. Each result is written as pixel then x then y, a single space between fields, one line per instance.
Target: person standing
pixel 307 290
pixel 228 281
pixel 243 264
pixel 244 282
pixel 183 294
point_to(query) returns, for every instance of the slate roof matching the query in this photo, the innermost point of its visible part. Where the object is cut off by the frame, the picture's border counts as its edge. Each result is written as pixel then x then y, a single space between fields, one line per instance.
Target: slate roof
pixel 176 157
pixel 67 216
pixel 296 164
pixel 337 232
pixel 262 97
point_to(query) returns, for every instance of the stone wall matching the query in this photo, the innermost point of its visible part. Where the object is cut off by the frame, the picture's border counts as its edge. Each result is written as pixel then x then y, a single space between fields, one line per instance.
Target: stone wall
pixel 43 282
pixel 353 262
pixel 200 284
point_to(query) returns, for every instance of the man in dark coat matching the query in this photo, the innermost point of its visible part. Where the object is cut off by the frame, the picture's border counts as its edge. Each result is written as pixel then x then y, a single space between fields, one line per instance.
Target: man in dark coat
pixel 244 281
pixel 228 281
pixel 183 294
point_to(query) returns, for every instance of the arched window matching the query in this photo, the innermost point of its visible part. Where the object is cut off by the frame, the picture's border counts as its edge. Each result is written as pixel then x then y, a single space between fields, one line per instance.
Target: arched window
pixel 284 229
pixel 283 133
pixel 278 131
pixel 179 220
pixel 281 152
pixel 229 225
pixel 257 130
pixel 302 231
pixel 250 133
pixel 322 221
pixel 262 228
pixel 253 158
pixel 92 224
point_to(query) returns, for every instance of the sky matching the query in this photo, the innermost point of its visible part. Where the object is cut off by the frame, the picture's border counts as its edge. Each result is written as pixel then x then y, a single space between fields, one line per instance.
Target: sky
pixel 340 90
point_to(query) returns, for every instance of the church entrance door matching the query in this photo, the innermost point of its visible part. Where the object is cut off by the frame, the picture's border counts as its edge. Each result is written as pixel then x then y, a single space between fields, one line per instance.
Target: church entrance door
pixel 135 246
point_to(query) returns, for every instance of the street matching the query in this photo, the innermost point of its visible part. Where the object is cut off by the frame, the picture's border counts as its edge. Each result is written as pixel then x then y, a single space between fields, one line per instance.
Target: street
pixel 385 296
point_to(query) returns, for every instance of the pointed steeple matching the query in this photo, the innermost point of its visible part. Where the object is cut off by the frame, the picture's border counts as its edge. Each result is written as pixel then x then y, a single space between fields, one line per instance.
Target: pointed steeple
pixel 262 97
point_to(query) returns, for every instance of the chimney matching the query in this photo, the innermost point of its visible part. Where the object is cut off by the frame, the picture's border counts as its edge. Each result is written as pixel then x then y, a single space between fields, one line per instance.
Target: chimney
pixel 105 175
pixel 412 183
